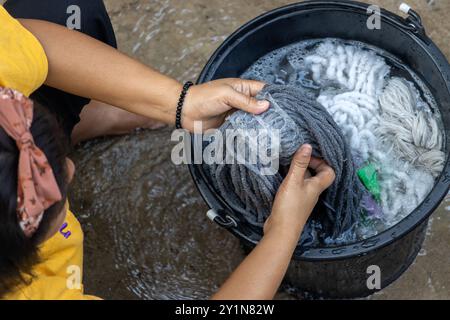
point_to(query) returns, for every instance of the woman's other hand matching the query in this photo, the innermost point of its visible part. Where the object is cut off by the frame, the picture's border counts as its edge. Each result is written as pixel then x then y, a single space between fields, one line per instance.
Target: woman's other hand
pixel 298 194
pixel 211 102
pixel 258 277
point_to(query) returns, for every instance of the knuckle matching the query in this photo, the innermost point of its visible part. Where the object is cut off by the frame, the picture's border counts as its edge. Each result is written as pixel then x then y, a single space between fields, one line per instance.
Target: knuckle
pixel 248 100
pixel 243 87
pixel 301 162
pixel 331 174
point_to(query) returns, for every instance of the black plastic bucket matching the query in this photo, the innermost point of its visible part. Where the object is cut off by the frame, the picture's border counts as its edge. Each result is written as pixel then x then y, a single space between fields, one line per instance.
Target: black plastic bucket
pixel 337 272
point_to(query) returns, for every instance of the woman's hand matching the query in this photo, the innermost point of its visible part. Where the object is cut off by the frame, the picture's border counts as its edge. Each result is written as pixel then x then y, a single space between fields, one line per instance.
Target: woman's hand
pixel 211 102
pixel 298 194
pixel 260 274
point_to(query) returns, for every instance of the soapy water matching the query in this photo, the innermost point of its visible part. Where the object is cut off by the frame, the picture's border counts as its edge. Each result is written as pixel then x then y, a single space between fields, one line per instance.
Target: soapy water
pixel 357 84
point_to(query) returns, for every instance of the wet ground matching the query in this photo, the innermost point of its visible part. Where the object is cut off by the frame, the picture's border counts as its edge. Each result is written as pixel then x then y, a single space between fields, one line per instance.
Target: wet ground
pixel 147 236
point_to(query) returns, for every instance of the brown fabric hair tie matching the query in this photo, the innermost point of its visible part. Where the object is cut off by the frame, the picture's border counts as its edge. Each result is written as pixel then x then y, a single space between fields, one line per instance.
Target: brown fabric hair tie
pixel 37 189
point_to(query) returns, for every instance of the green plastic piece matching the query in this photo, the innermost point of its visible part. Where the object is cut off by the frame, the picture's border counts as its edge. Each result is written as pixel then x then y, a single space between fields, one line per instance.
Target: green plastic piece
pixel 369 177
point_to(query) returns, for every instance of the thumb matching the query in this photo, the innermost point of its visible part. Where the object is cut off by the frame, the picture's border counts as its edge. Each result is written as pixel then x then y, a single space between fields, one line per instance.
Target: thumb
pixel 300 163
pixel 245 102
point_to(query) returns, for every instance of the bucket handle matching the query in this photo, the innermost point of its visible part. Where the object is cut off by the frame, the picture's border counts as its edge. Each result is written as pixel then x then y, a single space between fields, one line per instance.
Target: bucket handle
pixel 225 221
pixel 414 22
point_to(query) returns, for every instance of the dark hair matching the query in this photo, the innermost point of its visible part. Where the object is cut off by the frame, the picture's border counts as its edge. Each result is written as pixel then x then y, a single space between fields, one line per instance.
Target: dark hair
pixel 18 254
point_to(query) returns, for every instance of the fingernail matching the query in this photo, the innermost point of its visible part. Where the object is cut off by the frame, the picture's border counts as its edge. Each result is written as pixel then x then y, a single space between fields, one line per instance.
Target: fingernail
pixel 307 149
pixel 264 104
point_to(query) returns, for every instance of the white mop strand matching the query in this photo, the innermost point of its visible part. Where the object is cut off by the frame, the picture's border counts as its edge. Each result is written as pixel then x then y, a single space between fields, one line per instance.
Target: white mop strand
pixel 417 137
pixel 357 116
pixel 361 75
pixel 355 69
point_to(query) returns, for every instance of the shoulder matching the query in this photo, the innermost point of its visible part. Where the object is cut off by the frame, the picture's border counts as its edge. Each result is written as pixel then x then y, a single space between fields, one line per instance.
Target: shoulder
pixel 24 65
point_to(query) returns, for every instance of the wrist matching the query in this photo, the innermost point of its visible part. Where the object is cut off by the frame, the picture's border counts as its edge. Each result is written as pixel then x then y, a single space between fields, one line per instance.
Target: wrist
pixel 281 240
pixel 181 119
pixel 287 234
pixel 172 103
pixel 161 100
pixel 188 110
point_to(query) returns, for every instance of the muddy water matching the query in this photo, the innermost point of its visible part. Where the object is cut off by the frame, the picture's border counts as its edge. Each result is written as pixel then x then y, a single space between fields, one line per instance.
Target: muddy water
pixel 146 234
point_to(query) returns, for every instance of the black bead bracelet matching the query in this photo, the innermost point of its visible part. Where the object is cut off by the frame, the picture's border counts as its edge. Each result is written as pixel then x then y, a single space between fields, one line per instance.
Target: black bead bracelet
pixel 186 87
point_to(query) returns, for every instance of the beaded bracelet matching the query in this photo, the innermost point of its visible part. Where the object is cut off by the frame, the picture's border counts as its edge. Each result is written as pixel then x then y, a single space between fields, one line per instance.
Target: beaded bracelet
pixel 186 87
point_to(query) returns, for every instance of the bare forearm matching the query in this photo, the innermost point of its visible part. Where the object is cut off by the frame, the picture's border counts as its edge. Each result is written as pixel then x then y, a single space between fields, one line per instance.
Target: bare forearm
pixel 260 274
pixel 84 66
